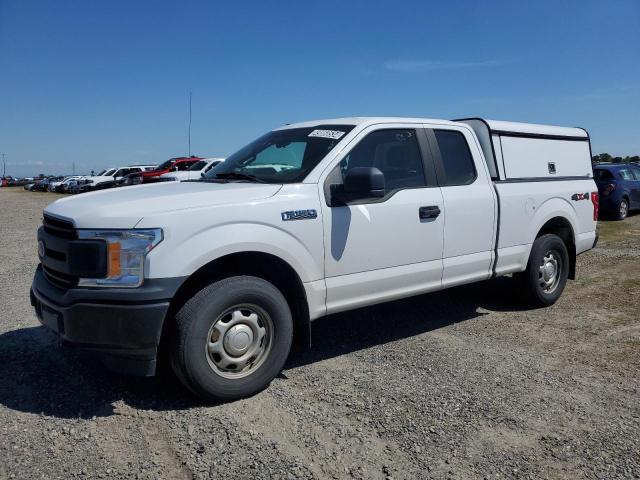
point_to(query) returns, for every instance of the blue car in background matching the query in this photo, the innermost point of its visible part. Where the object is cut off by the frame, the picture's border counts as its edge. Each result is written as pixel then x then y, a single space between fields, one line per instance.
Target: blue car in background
pixel 619 188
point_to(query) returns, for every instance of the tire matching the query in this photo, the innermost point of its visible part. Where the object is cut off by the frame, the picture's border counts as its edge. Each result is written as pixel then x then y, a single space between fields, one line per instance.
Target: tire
pixel 537 284
pixel 232 338
pixel 622 210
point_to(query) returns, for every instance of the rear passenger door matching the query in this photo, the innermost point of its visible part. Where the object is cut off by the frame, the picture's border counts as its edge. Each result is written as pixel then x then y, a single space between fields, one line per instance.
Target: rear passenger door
pixel 469 205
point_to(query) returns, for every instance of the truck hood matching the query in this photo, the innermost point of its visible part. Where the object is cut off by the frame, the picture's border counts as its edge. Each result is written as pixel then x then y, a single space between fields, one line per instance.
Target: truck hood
pixel 124 207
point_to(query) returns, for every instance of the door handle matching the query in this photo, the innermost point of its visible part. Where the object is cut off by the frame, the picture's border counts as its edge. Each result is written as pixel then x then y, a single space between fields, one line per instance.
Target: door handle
pixel 426 213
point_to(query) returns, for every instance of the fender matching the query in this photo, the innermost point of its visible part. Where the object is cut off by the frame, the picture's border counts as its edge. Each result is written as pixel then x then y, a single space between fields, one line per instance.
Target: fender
pixel 186 257
pixel 551 208
pixel 514 256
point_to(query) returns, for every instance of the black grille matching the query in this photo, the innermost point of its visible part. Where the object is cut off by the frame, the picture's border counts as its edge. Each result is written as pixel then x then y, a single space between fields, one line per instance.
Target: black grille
pixel 64 230
pixel 60 279
pixel 59 228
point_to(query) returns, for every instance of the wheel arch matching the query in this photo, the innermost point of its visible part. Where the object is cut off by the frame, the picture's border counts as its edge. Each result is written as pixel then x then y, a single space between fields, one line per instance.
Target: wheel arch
pixel 263 265
pixel 563 228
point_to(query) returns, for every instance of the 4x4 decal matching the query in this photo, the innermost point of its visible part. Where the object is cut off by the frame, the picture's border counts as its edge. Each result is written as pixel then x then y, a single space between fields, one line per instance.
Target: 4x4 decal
pixel 580 196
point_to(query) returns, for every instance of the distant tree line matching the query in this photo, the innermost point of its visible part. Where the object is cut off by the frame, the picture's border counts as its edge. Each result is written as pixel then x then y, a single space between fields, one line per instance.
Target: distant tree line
pixel 605 157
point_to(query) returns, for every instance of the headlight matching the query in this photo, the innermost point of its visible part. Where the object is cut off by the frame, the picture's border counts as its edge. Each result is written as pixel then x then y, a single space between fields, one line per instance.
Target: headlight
pixel 126 250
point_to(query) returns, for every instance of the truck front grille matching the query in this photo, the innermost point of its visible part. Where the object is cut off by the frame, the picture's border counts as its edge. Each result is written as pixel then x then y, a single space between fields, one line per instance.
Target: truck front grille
pixel 56 251
pixel 59 228
pixel 60 279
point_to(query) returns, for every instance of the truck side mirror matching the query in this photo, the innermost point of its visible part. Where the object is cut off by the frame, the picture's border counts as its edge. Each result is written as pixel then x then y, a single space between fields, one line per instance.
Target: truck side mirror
pixel 360 183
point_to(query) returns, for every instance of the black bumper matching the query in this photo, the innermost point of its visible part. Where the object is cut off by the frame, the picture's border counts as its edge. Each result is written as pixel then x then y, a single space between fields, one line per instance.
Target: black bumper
pixel 124 325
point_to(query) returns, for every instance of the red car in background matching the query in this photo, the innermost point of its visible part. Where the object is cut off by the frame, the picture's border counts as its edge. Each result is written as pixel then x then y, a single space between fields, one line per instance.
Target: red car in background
pixel 177 164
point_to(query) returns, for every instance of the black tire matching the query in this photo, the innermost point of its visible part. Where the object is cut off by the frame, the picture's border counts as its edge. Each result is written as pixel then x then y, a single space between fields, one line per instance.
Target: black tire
pixel 623 209
pixel 531 286
pixel 204 372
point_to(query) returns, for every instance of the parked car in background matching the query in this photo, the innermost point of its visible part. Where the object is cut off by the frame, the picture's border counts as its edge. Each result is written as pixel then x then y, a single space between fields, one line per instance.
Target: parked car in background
pixel 619 188
pixel 178 164
pixel 195 172
pixel 106 179
pixel 120 181
pixel 29 186
pixel 42 185
pixel 8 181
pixel 62 186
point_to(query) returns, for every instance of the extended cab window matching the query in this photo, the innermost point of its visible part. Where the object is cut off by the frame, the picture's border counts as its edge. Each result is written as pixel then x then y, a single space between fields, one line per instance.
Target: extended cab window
pixel 457 161
pixel 394 152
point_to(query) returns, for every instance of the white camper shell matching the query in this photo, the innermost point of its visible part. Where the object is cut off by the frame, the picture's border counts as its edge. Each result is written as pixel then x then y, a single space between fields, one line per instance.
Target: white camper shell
pixel 526 151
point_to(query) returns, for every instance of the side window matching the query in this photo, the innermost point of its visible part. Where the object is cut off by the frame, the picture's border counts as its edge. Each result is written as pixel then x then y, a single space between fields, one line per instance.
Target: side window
pixel 636 172
pixel 182 166
pixel 457 161
pixel 625 174
pixel 395 153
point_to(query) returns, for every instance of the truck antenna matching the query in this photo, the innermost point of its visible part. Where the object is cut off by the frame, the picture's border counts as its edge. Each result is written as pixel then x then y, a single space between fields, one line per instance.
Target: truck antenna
pixel 190 122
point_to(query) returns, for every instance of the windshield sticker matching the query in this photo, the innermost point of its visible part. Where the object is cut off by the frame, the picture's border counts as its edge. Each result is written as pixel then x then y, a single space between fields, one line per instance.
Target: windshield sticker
pixel 334 134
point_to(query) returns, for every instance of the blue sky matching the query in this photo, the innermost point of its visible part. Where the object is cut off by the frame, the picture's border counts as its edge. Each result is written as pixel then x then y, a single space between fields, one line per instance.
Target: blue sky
pixel 103 83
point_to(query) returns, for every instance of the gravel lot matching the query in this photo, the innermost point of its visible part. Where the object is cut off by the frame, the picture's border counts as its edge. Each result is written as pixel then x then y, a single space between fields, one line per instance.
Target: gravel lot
pixel 458 384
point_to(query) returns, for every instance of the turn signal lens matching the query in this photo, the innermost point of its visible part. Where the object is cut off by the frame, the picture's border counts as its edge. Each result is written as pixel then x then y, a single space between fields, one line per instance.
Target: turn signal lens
pixel 114 260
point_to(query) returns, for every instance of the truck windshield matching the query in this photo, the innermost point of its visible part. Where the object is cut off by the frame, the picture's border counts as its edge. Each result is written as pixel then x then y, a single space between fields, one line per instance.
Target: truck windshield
pixel 281 156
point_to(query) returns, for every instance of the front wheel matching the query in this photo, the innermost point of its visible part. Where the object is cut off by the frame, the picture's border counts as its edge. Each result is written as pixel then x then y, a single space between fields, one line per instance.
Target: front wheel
pixel 547 271
pixel 232 338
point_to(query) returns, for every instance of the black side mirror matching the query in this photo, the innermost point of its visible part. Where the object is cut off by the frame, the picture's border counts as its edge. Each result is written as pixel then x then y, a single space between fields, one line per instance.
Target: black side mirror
pixel 360 183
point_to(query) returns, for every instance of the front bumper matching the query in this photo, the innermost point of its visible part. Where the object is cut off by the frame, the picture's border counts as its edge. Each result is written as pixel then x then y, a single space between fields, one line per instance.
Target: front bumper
pixel 123 325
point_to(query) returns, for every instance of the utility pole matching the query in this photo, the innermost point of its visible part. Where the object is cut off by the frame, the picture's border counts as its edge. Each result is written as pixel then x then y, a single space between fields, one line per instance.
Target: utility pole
pixel 189 122
pixel 4 166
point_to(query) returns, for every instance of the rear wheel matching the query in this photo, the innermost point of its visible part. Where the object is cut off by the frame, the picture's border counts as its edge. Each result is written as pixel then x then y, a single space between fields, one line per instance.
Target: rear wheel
pixel 623 209
pixel 547 271
pixel 232 338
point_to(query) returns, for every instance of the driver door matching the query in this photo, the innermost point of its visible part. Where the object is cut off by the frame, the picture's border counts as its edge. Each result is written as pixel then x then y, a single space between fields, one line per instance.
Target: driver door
pixel 390 247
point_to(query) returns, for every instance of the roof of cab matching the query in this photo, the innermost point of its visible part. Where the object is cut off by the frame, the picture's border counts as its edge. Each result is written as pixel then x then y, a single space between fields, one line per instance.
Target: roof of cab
pixel 363 121
pixel 494 125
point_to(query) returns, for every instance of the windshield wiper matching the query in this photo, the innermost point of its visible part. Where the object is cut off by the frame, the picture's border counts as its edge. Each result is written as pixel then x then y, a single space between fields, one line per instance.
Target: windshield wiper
pixel 239 176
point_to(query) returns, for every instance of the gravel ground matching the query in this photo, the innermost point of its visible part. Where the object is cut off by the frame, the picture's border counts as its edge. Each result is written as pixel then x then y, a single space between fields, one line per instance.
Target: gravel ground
pixel 458 384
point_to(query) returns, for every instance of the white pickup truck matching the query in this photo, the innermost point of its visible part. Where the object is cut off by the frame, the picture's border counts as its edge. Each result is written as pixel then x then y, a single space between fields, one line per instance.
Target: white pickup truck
pixel 307 220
